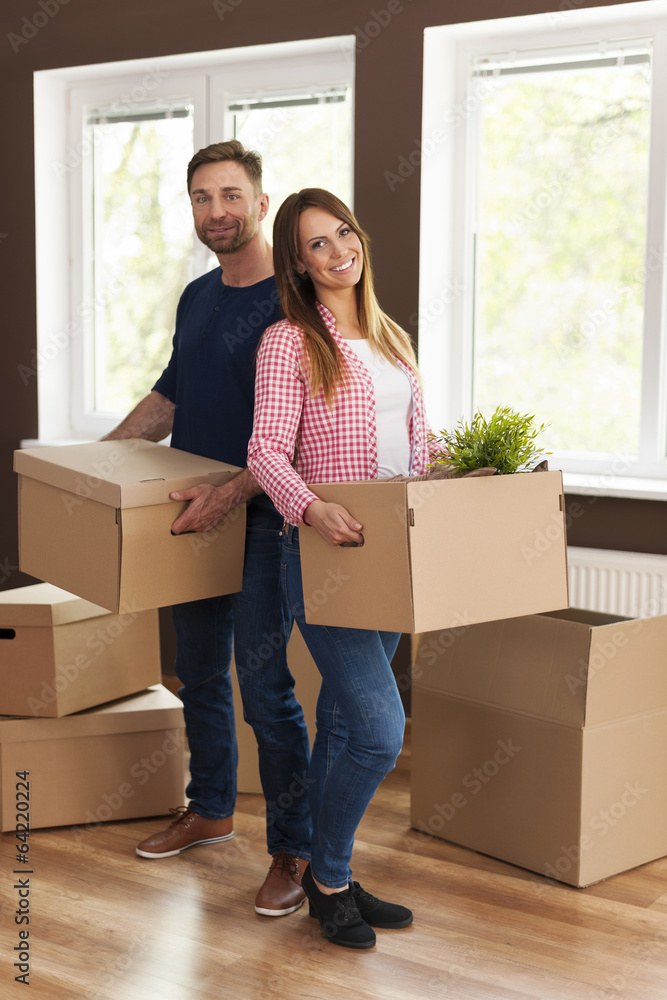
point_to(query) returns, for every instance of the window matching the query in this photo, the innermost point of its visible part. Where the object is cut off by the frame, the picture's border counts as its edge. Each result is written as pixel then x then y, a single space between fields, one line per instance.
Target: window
pixel 141 240
pixel 543 162
pixel 301 136
pixel 116 243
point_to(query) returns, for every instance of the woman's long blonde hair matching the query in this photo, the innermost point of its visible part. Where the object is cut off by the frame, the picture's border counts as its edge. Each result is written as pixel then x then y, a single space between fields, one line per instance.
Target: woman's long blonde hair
pixel 298 300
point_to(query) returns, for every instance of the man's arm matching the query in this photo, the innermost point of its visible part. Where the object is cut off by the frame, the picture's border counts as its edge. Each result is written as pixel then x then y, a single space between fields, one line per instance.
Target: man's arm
pixel 151 419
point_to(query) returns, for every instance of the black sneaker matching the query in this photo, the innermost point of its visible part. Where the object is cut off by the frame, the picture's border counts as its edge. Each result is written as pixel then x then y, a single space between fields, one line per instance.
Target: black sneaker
pixel 340 920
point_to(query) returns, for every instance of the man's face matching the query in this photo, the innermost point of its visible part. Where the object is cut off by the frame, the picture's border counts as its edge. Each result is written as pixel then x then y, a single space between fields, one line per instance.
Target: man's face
pixel 226 209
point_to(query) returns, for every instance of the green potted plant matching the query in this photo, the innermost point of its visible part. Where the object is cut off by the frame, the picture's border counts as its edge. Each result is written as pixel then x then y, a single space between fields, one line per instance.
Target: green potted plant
pixel 505 443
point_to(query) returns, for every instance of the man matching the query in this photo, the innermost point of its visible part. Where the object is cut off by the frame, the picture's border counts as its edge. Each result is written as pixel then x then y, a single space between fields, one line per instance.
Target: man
pixel 205 398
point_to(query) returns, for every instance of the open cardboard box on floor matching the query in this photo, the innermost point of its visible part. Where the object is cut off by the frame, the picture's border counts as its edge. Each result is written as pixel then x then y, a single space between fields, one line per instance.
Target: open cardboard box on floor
pixel 121 761
pixel 542 741
pixel 442 553
pixel 95 519
pixel 60 654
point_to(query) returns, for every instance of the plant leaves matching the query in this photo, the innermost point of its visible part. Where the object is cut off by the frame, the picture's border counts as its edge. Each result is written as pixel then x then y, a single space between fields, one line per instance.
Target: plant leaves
pixel 506 441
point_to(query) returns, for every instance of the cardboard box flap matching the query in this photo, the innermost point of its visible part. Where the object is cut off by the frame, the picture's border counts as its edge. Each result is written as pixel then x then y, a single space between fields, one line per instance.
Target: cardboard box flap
pixel 627 670
pixel 521 665
pixel 42 604
pixel 451 526
pixel 132 473
pixel 155 708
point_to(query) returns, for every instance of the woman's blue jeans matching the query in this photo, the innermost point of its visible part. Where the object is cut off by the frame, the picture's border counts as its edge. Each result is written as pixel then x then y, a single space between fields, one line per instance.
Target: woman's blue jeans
pixel 258 622
pixel 360 725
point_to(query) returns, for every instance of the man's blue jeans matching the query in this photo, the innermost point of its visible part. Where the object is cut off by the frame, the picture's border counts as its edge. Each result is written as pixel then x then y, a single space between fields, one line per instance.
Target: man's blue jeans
pixel 258 623
pixel 360 725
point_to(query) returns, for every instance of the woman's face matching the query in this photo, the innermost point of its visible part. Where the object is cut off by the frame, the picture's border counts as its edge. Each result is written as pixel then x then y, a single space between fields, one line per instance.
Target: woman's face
pixel 330 251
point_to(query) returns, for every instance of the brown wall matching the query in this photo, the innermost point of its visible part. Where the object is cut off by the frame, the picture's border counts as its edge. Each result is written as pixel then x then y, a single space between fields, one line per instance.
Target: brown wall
pixel 388 114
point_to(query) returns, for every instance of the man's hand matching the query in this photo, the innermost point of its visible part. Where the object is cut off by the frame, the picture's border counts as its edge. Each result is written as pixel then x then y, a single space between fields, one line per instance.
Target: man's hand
pixel 333 522
pixel 208 505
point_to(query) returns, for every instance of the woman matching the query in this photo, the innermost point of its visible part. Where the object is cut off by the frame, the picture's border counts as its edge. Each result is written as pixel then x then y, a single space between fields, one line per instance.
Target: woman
pixel 337 387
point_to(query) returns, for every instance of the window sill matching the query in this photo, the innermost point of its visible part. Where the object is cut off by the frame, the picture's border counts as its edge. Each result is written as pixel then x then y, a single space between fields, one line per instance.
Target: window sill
pixel 615 486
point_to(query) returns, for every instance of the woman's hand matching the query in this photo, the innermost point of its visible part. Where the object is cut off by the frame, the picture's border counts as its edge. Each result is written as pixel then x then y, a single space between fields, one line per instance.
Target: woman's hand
pixel 333 522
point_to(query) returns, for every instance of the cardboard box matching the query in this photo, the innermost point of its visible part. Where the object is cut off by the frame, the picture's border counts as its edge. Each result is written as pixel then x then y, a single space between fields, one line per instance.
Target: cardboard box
pixel 60 654
pixel 307 682
pixel 543 741
pixel 440 554
pixel 122 761
pixel 95 519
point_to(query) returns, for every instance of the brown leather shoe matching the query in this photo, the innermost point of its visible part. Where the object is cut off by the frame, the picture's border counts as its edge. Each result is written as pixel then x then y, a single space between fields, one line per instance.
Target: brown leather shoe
pixel 188 830
pixel 281 893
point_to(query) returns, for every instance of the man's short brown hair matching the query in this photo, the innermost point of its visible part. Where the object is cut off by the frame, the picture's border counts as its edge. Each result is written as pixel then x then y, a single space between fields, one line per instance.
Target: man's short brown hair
pixel 233 150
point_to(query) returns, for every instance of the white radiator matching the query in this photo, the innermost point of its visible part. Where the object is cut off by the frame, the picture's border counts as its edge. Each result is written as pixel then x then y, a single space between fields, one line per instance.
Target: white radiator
pixel 628 584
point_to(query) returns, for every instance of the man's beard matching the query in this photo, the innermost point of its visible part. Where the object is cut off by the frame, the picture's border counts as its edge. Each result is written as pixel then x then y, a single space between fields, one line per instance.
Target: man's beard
pixel 224 245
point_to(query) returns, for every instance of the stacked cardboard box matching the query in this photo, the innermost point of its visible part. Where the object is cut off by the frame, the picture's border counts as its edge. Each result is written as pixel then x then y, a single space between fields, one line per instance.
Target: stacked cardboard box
pixel 542 741
pixel 72 724
pixel 120 761
pixel 96 520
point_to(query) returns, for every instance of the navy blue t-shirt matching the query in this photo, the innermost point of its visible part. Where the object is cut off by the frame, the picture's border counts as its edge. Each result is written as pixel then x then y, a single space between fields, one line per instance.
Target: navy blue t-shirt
pixel 211 373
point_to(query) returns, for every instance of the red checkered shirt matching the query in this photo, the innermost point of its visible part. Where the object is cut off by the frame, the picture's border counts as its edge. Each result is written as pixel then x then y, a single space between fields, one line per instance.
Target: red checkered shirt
pixel 332 444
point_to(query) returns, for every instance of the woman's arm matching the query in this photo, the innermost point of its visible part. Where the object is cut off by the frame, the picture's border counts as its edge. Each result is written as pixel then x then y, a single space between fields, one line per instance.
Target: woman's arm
pixel 281 392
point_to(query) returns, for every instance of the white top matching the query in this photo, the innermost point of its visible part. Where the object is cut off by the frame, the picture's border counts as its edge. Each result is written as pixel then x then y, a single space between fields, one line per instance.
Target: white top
pixel 393 410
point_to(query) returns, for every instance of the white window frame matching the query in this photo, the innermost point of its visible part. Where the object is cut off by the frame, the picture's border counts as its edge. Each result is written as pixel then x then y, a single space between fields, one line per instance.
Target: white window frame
pixel 447 224
pixel 209 81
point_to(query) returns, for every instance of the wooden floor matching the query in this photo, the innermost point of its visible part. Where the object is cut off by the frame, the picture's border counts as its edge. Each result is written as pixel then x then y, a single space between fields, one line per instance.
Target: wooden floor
pixel 107 925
